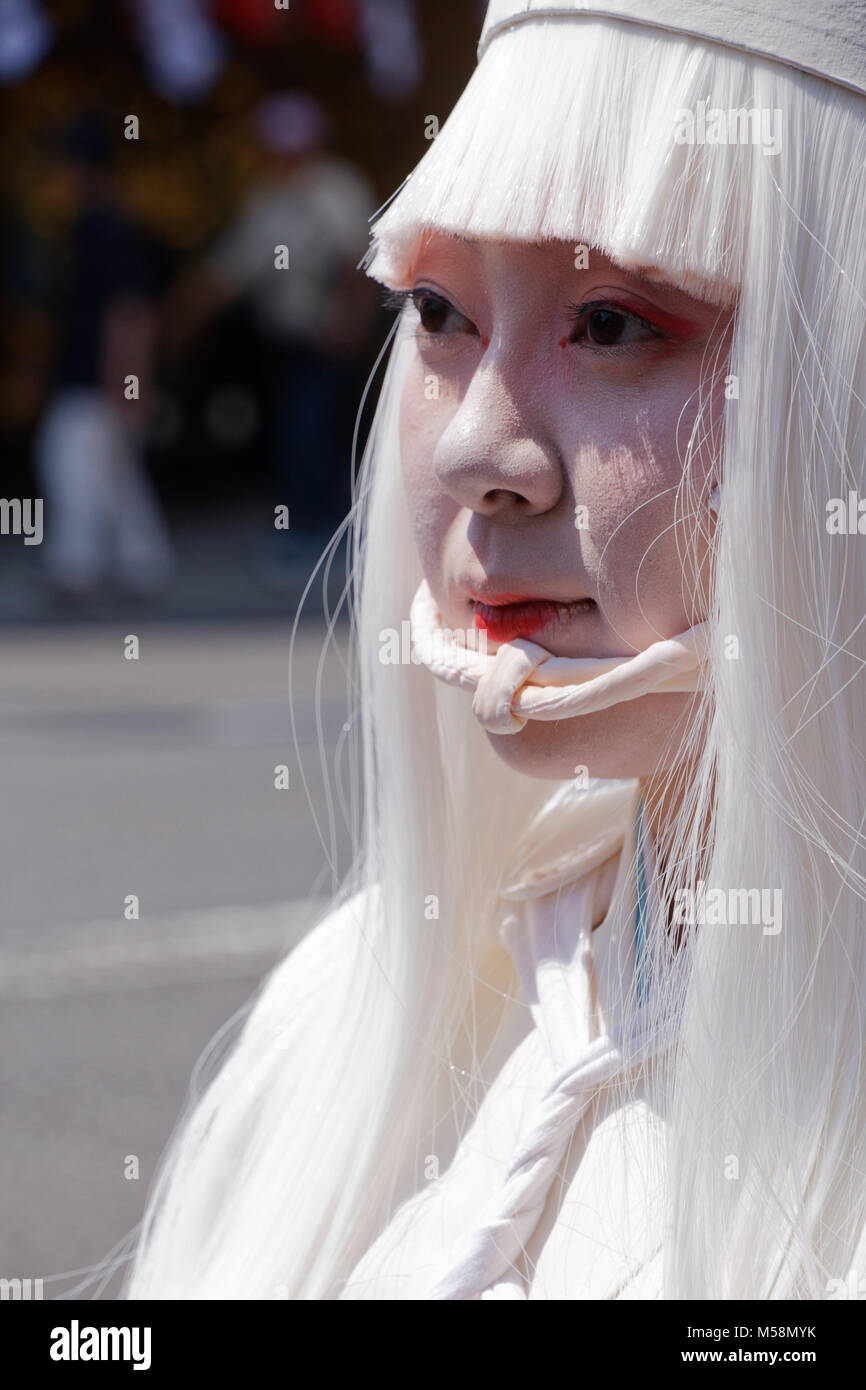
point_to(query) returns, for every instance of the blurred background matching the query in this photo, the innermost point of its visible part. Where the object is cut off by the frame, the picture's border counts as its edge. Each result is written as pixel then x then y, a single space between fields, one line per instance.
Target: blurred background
pixel 185 189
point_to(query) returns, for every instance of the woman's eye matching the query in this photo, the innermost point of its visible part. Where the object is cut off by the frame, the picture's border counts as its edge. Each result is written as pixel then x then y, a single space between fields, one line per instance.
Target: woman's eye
pixel 437 315
pixel 603 325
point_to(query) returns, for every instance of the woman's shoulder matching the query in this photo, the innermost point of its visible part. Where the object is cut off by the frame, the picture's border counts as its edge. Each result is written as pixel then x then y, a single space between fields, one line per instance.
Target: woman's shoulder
pixel 343 919
pixel 323 957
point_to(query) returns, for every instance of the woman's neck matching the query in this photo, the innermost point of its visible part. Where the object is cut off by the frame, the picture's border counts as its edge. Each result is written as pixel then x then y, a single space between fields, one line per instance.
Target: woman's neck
pixel 666 798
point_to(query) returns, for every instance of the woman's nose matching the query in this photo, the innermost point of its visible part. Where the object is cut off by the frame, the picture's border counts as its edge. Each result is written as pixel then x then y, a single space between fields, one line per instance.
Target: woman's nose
pixel 491 458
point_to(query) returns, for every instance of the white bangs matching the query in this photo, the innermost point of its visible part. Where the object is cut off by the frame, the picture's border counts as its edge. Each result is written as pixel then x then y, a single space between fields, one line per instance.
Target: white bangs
pixel 569 131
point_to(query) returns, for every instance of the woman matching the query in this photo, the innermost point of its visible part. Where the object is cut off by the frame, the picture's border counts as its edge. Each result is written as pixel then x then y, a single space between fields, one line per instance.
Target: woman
pixel 587 1020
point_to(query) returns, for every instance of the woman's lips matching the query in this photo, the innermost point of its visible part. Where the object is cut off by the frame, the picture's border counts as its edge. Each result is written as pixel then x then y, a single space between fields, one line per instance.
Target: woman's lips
pixel 504 621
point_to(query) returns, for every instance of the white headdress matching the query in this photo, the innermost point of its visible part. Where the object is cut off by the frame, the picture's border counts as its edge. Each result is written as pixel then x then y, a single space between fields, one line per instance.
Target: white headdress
pixel 826 38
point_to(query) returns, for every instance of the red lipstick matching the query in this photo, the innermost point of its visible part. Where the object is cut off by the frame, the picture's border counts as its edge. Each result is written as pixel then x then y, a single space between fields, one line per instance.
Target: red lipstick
pixel 520 617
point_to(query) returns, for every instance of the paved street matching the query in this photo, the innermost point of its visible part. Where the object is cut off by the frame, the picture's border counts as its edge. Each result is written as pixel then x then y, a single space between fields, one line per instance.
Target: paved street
pixel 155 778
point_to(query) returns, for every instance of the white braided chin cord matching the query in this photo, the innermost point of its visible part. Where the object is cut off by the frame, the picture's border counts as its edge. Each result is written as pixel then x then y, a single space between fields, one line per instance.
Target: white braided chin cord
pixel 523 680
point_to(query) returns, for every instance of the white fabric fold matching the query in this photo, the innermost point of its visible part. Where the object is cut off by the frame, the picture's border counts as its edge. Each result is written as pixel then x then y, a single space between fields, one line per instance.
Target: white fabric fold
pixel 487 1255
pixel 550 938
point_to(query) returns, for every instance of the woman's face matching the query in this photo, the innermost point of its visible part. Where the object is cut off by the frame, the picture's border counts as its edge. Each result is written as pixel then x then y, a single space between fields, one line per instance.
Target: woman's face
pixel 547 410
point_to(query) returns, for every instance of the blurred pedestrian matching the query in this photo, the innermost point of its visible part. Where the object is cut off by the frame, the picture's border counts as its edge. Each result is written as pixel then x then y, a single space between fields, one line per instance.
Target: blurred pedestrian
pixel 312 307
pixel 103 520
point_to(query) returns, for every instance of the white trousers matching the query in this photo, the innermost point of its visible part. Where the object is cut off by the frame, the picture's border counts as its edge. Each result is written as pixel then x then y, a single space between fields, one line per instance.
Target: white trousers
pixel 102 517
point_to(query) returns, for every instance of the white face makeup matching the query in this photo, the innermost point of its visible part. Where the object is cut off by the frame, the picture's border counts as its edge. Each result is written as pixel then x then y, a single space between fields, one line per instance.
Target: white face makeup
pixel 544 423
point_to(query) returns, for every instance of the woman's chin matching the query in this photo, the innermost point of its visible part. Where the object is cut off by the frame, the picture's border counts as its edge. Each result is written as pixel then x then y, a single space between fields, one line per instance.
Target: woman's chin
pixel 634 739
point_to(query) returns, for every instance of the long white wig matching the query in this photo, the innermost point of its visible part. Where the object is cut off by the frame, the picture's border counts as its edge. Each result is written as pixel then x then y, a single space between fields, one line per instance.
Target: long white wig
pixel 368 1047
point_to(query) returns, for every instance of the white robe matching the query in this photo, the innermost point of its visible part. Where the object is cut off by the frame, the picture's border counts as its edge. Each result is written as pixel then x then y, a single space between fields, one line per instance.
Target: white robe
pixel 599 1234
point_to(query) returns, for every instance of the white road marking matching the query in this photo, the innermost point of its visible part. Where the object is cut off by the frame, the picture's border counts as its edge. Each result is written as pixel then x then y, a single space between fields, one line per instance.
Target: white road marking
pixel 185 947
